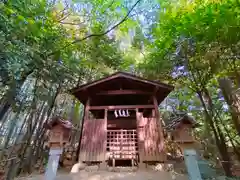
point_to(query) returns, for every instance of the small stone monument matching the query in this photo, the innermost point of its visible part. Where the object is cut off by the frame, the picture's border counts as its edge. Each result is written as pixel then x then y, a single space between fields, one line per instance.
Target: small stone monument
pixel 59 136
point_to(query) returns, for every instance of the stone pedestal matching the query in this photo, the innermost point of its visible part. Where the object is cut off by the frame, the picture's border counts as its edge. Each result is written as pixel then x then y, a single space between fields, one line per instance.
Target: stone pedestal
pixel 52 166
pixel 190 158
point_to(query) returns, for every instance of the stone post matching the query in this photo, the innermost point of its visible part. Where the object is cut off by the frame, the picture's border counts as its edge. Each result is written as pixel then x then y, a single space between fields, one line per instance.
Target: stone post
pixel 190 158
pixel 52 166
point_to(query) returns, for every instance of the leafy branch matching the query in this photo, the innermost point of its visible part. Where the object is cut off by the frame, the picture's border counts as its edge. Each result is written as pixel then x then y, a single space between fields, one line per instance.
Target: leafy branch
pixel 103 33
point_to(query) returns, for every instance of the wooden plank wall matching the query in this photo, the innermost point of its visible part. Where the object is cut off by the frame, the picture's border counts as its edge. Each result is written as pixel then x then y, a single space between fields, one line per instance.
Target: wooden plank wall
pixel 93 144
pixel 122 123
pixel 149 139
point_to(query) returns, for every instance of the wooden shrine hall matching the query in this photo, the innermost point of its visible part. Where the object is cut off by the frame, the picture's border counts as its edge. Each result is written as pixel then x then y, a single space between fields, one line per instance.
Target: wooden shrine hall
pixel 121 123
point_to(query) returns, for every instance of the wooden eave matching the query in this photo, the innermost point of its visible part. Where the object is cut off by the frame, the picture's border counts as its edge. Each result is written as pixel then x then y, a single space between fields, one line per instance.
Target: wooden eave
pixel 161 89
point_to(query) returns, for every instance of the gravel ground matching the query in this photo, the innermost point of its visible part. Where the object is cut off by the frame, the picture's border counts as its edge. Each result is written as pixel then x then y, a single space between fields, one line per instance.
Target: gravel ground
pixel 106 175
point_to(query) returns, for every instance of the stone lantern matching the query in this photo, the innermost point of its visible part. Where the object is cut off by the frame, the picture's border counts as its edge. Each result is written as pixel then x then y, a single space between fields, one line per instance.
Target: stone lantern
pixel 59 136
pixel 181 131
pixel 59 132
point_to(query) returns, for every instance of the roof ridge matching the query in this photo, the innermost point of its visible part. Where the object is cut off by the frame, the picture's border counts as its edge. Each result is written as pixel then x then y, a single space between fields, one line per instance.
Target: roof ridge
pixel 123 74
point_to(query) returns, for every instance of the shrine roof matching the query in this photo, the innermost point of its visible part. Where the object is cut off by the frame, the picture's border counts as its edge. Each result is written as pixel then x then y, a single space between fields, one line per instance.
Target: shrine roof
pixel 122 80
pixel 181 118
pixel 58 121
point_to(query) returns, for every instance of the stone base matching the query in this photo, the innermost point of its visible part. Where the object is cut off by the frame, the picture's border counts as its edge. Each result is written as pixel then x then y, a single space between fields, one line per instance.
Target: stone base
pixel 77 167
pixel 122 169
pixel 92 168
pixel 161 167
pixel 103 166
pixel 142 165
pixel 164 167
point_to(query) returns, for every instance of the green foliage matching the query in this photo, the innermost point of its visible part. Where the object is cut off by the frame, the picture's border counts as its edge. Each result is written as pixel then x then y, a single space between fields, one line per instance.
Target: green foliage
pixel 195 42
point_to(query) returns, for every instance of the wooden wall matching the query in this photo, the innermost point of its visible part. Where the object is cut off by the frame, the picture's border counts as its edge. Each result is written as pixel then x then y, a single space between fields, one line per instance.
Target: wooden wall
pixel 122 124
pixel 93 142
pixel 150 144
pixel 183 134
pixel 149 133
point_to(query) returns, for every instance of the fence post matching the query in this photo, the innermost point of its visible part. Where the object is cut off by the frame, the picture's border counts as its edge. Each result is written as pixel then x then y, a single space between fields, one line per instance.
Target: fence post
pixel 190 158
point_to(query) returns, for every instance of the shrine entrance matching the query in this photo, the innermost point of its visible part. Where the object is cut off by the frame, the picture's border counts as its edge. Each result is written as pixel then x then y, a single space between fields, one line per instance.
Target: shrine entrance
pixel 122 144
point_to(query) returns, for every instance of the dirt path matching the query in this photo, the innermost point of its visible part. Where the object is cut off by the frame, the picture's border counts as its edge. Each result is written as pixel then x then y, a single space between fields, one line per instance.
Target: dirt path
pixel 105 175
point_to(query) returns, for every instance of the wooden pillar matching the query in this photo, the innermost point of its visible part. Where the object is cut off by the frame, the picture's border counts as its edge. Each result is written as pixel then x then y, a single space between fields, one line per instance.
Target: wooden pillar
pixel 80 139
pixel 160 128
pixel 103 164
pixel 85 118
pixel 86 113
pixel 141 165
pixel 132 159
pixel 113 160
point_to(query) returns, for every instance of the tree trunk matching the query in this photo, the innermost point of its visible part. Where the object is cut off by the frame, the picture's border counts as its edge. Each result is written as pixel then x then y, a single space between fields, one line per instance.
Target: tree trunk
pixel 235 68
pixel 17 141
pixel 4 109
pixel 9 98
pixel 30 153
pixel 219 138
pixel 21 154
pixel 72 113
pixel 28 136
pixel 13 123
pixel 32 159
pixel 236 151
pixel 40 133
pixel 232 101
pixel 19 138
pixel 31 127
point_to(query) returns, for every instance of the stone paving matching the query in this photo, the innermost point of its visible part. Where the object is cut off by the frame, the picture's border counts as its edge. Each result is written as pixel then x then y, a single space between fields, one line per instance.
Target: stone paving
pixel 106 175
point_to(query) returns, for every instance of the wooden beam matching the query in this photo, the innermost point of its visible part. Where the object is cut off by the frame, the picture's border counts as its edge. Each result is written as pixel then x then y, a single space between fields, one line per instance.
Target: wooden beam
pixel 103 164
pixel 140 143
pixel 159 124
pixel 81 133
pixel 86 114
pixel 121 107
pixel 85 117
pixel 122 92
pixel 157 112
pixel 151 99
